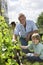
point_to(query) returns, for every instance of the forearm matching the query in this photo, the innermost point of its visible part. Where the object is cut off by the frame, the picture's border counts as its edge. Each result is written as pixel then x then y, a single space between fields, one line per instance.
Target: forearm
pixel 30 33
pixel 24 47
pixel 35 31
pixel 15 37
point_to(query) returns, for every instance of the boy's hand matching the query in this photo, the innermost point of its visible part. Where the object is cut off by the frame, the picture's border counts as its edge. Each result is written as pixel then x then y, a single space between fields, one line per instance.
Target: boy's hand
pixel 35 54
pixel 29 54
pixel 21 46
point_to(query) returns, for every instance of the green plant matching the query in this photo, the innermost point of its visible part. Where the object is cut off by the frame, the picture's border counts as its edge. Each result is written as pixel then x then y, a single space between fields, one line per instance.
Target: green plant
pixel 6 45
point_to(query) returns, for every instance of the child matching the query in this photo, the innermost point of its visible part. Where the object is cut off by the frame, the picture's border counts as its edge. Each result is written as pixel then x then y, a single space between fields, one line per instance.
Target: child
pixel 37 47
pixel 13 25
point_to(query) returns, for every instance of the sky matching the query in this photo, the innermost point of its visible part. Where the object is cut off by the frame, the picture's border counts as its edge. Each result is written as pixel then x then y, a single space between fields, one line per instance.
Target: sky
pixel 31 9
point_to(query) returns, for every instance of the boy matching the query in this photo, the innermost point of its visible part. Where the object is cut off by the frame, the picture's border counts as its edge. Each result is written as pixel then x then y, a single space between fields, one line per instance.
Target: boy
pixel 37 47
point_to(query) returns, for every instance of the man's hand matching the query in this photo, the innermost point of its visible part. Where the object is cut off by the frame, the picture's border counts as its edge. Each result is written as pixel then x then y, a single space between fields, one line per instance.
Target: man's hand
pixel 13 40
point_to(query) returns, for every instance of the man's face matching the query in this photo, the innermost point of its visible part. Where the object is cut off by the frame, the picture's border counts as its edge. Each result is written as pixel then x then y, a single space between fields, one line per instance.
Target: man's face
pixel 23 20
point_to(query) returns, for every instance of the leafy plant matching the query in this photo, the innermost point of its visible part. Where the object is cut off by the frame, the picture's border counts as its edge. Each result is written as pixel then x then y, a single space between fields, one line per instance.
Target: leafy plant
pixel 6 45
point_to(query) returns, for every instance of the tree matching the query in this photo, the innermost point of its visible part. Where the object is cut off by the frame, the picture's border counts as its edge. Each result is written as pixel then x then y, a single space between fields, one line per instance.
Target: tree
pixel 40 20
pixel 40 24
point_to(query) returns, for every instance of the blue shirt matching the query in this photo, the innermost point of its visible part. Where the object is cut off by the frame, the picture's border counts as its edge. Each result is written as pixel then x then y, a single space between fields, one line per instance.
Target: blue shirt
pixel 37 49
pixel 22 32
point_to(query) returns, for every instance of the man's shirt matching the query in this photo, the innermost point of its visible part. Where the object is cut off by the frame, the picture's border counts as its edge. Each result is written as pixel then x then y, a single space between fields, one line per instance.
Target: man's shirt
pixel 23 32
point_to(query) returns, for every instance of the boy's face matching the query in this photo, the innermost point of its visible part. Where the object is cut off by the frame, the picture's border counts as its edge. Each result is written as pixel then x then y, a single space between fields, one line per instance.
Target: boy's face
pixel 35 40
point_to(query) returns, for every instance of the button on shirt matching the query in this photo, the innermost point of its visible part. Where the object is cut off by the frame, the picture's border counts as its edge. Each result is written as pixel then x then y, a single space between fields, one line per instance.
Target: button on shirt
pixel 23 32
pixel 37 49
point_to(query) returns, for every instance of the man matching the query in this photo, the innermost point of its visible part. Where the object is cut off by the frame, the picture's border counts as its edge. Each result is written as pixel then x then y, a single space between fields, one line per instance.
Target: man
pixel 24 29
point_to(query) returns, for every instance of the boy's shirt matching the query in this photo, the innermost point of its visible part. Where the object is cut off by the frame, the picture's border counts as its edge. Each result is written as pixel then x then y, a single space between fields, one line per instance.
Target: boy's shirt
pixel 37 49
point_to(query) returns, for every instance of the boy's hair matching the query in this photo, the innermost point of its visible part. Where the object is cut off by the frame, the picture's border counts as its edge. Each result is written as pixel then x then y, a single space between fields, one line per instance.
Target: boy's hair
pixel 13 23
pixel 36 35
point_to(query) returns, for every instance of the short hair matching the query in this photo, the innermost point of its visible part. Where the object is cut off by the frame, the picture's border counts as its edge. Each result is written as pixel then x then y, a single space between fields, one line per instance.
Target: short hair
pixel 20 15
pixel 13 23
pixel 36 35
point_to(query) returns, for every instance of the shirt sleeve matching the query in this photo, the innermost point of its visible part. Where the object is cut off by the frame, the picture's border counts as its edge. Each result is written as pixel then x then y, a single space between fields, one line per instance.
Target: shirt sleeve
pixel 30 46
pixel 34 27
pixel 16 31
pixel 39 50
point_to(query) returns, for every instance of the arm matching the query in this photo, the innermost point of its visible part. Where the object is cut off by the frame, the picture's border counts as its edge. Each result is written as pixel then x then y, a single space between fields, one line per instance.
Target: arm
pixel 34 29
pixel 24 47
pixel 16 31
pixel 32 54
pixel 29 34
pixel 15 37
